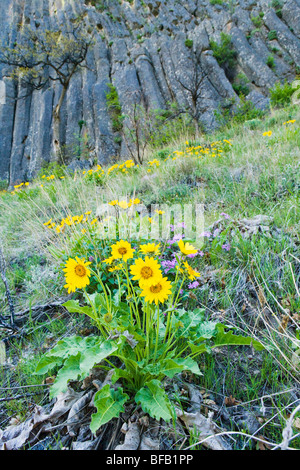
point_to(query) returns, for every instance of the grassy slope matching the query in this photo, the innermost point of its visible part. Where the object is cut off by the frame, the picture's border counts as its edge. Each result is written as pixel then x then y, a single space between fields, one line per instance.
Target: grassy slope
pixel 253 286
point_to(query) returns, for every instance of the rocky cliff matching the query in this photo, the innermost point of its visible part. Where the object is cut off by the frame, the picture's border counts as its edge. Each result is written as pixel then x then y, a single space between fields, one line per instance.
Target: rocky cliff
pixel 141 47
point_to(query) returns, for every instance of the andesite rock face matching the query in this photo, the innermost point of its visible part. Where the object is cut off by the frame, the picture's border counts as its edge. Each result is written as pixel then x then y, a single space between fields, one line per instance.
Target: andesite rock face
pixel 140 47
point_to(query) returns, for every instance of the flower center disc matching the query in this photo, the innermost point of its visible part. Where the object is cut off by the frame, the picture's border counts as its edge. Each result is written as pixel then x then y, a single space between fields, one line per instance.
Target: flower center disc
pixel 156 289
pixel 80 270
pixel 146 272
pixel 122 251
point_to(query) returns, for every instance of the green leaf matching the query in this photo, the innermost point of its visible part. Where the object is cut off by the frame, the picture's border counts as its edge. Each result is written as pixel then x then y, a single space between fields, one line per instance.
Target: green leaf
pixel 199 348
pixel 154 401
pixel 73 307
pixel 109 404
pixel 171 367
pixel 228 338
pixel 96 354
pixel 47 363
pixel 70 371
pixel 71 346
pixel 206 330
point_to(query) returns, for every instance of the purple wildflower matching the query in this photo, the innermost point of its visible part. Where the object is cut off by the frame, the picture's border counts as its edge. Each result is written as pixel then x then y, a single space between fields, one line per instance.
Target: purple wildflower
pixel 226 246
pixel 181 224
pixel 167 265
pixel 226 216
pixel 193 285
pixel 205 234
pixel 192 255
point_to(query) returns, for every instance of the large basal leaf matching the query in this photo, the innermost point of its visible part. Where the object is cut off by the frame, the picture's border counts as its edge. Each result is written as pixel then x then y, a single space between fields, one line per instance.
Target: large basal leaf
pixel 96 354
pixel 171 367
pixel 228 338
pixel 69 371
pixel 47 363
pixel 199 348
pixel 206 330
pixel 82 356
pixel 154 401
pixel 73 307
pixel 65 348
pixel 109 404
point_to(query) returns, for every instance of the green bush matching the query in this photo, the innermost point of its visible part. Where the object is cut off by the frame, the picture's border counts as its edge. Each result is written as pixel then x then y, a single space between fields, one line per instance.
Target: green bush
pixel 52 168
pixel 240 85
pixel 257 21
pixel 272 35
pixel 188 43
pixel 281 94
pixel 224 53
pixel 244 111
pixel 114 107
pixel 270 62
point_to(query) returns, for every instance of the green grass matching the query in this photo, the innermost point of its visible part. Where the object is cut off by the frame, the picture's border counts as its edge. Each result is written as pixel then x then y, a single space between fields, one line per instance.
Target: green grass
pixel 252 287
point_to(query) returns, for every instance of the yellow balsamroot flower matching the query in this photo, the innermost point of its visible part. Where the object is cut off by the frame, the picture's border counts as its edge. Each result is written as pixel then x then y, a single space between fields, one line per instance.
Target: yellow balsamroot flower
pixel 186 248
pixel 158 292
pixel 192 274
pixel 159 212
pixel 267 133
pixel 150 249
pixel 77 274
pixel 109 260
pixel 123 204
pixel 135 201
pixel 123 250
pixel 48 223
pixel 118 267
pixel 113 203
pixel 147 271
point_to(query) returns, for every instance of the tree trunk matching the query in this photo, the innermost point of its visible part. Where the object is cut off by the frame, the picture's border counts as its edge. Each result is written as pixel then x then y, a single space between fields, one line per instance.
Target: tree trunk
pixel 56 126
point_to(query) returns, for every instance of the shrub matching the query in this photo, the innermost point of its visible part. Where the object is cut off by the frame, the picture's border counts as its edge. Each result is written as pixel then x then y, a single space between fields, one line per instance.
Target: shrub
pixel 257 21
pixel 240 85
pixel 272 35
pixel 225 54
pixel 281 94
pixel 270 62
pixel 245 111
pixel 188 43
pixel 114 107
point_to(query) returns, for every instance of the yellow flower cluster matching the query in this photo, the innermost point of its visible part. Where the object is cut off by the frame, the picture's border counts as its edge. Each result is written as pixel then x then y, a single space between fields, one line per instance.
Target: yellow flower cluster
pixel 214 149
pixel 20 186
pixel 289 122
pixel 123 203
pixel 68 221
pixel 99 172
pixel 146 271
pixel 267 133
